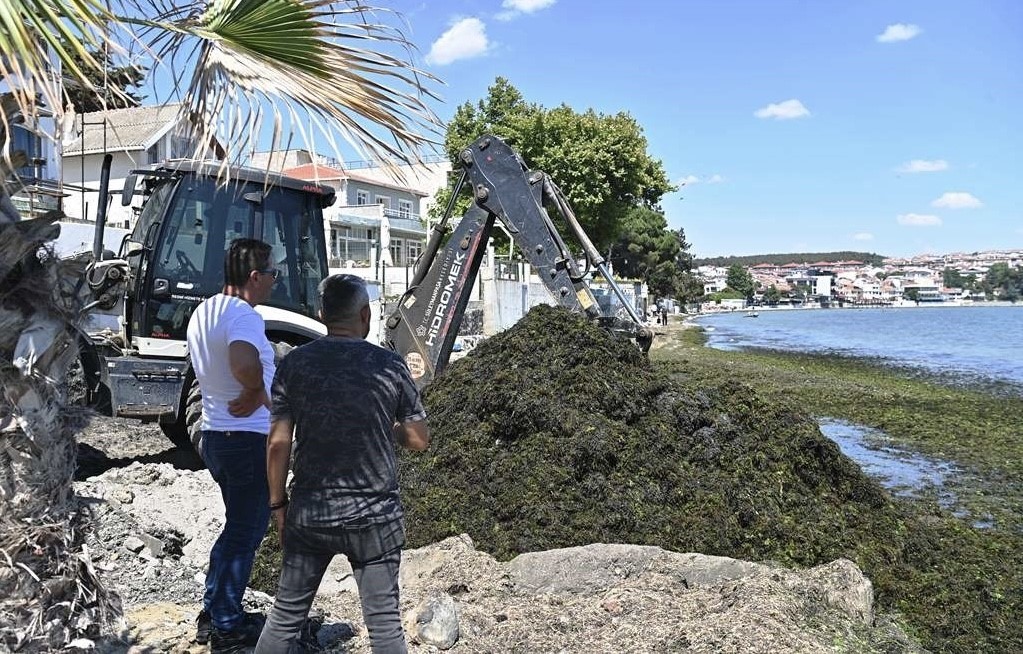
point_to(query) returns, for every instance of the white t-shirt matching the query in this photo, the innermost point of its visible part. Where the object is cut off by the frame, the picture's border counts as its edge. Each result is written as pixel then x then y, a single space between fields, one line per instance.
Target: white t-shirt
pixel 216 323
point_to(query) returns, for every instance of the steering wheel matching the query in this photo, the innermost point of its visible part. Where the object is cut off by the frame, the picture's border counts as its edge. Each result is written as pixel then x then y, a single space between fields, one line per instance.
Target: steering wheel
pixel 187 267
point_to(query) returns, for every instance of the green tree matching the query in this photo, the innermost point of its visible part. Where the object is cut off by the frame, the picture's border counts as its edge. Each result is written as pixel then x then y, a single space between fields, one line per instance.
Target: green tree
pixel 234 63
pixel 646 249
pixel 740 280
pixel 951 278
pixel 1003 282
pixel 97 95
pixel 912 294
pixel 689 288
pixel 772 296
pixel 599 161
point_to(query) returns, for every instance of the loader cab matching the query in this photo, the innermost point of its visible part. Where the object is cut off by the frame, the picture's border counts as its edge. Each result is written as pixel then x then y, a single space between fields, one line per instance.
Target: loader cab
pixel 178 245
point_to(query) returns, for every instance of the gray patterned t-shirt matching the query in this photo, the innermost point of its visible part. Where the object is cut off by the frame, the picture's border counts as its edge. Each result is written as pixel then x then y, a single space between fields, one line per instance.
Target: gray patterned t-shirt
pixel 344 396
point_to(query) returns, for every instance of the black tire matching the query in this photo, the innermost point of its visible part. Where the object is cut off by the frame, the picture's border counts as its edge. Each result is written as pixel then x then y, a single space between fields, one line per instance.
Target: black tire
pixel 193 416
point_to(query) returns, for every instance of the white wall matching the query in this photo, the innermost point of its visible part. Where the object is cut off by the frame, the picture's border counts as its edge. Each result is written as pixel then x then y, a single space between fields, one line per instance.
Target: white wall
pixel 121 164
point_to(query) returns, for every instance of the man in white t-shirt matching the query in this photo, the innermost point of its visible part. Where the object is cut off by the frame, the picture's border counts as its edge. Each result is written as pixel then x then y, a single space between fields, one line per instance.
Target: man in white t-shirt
pixel 234 365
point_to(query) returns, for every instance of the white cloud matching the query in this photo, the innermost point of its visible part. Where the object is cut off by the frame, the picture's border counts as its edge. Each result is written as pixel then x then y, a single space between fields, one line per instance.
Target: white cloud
pixel 690 180
pixel 923 166
pixel 957 200
pixel 527 6
pixel 465 39
pixel 783 110
pixel 918 220
pixel 898 32
pixel 513 8
pixel 863 236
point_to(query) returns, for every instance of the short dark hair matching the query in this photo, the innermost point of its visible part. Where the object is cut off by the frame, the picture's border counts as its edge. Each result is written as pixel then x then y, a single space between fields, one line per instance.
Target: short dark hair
pixel 243 256
pixel 342 296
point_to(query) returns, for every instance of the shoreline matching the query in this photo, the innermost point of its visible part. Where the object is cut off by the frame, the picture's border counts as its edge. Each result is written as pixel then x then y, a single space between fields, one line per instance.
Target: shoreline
pixel 919 305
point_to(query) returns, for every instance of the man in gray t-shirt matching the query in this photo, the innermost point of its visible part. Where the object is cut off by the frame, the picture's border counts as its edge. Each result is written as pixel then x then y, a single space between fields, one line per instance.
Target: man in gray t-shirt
pixel 344 403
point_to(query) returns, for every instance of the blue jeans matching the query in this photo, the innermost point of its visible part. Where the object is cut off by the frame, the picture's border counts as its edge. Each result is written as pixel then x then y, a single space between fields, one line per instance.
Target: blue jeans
pixel 374 550
pixel 237 462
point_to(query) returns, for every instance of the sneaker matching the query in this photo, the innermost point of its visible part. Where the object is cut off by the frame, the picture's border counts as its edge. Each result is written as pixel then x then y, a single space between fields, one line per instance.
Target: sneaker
pixel 203 625
pixel 245 635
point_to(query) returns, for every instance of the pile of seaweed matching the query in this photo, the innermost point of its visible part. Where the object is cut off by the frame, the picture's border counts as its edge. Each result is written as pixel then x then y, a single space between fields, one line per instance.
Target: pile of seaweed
pixel 557 433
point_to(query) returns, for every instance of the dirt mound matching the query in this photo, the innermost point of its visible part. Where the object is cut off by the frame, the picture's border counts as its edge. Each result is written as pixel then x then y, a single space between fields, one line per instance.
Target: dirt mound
pixel 554 433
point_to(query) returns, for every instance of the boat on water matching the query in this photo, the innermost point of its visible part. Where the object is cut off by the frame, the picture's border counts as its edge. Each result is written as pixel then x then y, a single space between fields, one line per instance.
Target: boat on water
pixel 752 314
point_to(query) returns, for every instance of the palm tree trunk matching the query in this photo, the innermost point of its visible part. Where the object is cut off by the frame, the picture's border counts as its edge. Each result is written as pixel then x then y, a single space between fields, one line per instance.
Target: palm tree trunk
pixel 49 592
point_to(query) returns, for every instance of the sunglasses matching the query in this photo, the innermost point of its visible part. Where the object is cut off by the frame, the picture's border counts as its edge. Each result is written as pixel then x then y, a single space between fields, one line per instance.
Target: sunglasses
pixel 273 272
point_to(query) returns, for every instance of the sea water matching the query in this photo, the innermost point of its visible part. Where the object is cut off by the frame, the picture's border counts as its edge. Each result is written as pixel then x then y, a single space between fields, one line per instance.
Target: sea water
pixel 970 343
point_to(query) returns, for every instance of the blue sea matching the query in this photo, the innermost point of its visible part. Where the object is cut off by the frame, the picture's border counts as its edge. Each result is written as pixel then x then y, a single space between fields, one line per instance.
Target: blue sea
pixel 964 343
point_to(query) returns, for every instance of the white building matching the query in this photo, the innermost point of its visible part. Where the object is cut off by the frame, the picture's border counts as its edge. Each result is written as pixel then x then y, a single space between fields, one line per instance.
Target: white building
pixel 136 138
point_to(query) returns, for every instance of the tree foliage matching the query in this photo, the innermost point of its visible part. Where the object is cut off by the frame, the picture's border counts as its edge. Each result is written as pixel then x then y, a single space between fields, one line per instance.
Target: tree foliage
pixel 599 161
pixel 1003 282
pixel 99 96
pixel 647 249
pixel 797 257
pixel 740 280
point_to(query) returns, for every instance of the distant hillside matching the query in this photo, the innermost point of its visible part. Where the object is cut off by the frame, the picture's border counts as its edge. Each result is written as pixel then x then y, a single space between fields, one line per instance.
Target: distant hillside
pixel 798 257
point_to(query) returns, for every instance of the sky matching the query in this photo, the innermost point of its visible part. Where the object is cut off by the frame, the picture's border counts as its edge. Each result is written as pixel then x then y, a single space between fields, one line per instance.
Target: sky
pixel 886 126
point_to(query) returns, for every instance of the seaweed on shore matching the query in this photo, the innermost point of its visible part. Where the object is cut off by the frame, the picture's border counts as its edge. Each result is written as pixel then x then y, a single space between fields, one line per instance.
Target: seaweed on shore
pixel 555 433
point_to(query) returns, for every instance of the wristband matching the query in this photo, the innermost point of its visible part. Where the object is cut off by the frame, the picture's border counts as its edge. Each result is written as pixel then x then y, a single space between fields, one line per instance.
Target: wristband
pixel 279 505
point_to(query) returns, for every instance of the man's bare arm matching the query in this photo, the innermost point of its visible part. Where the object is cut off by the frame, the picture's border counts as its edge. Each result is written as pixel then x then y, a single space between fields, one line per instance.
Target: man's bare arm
pixel 413 435
pixel 278 456
pixel 243 358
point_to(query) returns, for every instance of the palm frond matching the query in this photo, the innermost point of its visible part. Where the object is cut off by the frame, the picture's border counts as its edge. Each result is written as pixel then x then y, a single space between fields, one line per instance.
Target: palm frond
pixel 318 68
pixel 297 61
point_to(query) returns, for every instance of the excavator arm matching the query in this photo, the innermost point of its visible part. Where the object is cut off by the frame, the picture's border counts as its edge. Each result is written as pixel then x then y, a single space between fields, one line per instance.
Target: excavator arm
pixel 425 323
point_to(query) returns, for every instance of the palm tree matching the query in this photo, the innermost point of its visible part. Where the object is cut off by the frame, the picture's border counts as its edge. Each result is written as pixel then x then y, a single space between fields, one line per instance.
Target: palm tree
pixel 318 68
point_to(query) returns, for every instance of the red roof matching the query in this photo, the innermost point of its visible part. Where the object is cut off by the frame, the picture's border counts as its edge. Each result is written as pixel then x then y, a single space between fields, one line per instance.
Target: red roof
pixel 315 171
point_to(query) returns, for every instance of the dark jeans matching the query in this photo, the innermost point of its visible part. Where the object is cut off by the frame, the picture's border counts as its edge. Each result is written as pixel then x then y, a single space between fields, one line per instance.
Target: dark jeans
pixel 237 461
pixel 375 554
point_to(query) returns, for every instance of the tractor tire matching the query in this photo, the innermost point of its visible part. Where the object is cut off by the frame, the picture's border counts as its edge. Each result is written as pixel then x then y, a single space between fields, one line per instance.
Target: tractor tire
pixel 193 416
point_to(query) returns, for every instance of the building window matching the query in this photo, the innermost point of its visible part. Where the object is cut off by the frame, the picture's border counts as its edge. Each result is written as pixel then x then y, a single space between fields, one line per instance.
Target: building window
pixel 404 208
pixel 361 197
pixel 180 147
pixel 153 154
pixel 414 249
pixel 31 144
pixel 384 201
pixel 395 248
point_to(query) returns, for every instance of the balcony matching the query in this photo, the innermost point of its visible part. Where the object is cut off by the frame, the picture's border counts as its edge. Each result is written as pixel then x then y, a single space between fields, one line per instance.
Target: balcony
pixel 370 216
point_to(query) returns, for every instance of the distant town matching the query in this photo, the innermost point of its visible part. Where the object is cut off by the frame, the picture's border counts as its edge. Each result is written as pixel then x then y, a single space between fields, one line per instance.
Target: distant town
pixel 949 278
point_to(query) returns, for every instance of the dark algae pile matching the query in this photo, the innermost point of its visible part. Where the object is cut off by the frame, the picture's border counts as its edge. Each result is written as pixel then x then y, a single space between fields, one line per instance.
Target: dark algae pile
pixel 555 433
